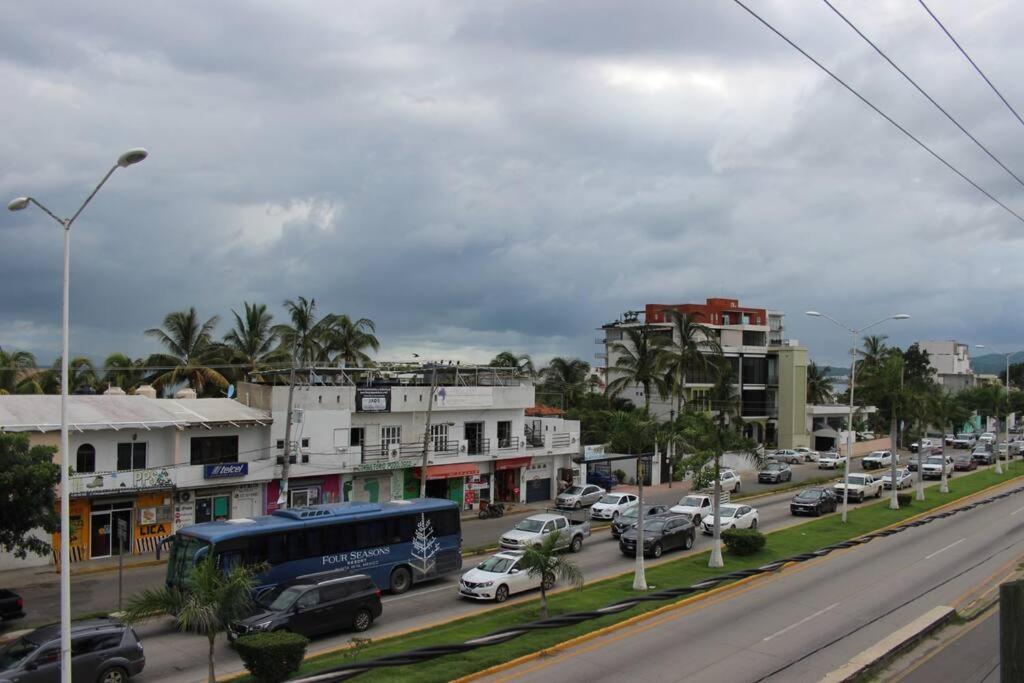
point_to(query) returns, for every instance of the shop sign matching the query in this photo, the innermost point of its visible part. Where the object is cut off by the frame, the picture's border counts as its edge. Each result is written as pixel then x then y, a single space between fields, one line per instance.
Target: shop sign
pixel 373 399
pixel 593 452
pixel 154 478
pixel 477 483
pixel 464 397
pixel 184 515
pixel 225 470
pixel 384 465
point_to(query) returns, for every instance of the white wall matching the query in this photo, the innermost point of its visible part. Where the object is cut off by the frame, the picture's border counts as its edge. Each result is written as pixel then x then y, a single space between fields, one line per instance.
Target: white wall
pixel 9 561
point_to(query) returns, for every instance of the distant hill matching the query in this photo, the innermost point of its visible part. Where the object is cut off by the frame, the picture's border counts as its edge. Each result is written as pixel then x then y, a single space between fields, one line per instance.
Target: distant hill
pixel 994 363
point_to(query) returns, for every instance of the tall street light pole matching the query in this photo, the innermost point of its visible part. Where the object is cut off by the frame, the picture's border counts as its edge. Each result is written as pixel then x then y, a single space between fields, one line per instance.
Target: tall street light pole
pixel 854 334
pixel 132 156
pixel 1006 418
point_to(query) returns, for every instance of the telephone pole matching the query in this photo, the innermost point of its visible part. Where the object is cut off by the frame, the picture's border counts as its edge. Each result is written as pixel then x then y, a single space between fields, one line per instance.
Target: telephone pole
pixel 426 434
pixel 283 495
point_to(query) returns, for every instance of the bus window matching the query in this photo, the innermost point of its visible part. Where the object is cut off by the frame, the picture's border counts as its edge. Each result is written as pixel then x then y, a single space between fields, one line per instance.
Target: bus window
pixel 370 534
pixel 444 522
pixel 399 529
pixel 339 538
pixel 303 543
pixel 276 549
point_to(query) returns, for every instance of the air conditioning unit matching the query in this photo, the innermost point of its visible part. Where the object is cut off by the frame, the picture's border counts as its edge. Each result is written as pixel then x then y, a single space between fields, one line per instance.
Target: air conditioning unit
pixel 183 496
pixel 394 450
pixel 464 446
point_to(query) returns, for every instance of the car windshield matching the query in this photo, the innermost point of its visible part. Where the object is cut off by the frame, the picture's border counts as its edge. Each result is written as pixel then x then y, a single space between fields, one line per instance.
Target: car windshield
pixel 16 651
pixel 728 512
pixel 287 598
pixel 655 525
pixel 773 466
pixel 856 479
pixel 610 500
pixel 809 494
pixel 573 491
pixel 691 501
pixel 496 564
pixel 530 525
pixel 935 460
pixel 630 512
pixel 879 454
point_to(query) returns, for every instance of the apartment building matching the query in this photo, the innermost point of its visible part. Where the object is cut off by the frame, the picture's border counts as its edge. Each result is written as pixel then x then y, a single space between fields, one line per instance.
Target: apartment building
pixel 952 363
pixel 771 372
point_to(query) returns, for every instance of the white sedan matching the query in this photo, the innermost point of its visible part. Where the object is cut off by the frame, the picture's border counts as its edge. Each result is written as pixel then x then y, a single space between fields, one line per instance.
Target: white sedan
pixel 733 516
pixel 904 479
pixel 498 577
pixel 611 504
pixel 807 453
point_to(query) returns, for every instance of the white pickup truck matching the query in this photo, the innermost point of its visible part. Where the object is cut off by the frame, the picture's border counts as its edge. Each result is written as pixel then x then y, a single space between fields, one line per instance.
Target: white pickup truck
pixel 830 461
pixel 933 466
pixel 536 528
pixel 694 506
pixel 861 486
pixel 878 459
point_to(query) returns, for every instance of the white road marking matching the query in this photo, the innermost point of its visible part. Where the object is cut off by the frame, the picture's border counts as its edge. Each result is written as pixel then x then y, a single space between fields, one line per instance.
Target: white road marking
pixel 1016 511
pixel 802 621
pixel 414 594
pixel 942 550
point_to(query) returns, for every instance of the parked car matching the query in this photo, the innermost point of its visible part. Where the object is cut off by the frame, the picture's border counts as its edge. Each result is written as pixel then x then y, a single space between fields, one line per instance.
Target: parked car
pixel 983 455
pixel 830 461
pixel 878 459
pixel 775 472
pixel 861 486
pixel 809 455
pixel 904 479
pixel 788 455
pixel 963 462
pixel 603 479
pixel 949 439
pixel 660 534
pixel 579 496
pixel 932 467
pixel 730 481
pixel 1017 446
pixel 102 650
pixel 815 501
pixel 11 605
pixel 865 436
pixel 987 437
pixel 923 443
pixel 964 441
pixel 500 576
pixel 694 506
pixel 536 528
pixel 628 518
pixel 611 505
pixel 350 602
pixel 732 516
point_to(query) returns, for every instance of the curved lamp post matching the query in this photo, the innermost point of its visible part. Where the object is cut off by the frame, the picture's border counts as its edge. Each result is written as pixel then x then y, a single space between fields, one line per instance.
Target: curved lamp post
pixel 132 156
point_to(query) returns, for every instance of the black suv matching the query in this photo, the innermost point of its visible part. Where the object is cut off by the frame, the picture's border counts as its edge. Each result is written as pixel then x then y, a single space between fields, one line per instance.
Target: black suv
pixel 660 534
pixel 315 607
pixel 102 650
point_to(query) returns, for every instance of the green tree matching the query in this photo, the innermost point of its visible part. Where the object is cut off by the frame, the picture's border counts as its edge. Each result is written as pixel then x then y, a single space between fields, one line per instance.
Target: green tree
pixel 190 350
pixel 640 361
pixel 568 377
pixel 211 599
pixel 508 359
pixel 886 388
pixel 1016 375
pixel 81 376
pixel 121 371
pixel 545 561
pixel 631 431
pixel 872 353
pixel 303 339
pixel 251 341
pixel 819 384
pixel 692 350
pixel 28 479
pixel 346 341
pixel 18 374
pixel 917 366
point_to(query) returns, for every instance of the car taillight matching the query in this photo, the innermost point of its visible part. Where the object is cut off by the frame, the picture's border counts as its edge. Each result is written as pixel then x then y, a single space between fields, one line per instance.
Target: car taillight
pixel 21 603
pixel 378 592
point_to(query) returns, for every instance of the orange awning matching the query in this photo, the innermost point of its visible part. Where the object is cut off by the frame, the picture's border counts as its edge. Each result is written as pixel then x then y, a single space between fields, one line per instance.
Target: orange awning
pixel 449 471
pixel 512 463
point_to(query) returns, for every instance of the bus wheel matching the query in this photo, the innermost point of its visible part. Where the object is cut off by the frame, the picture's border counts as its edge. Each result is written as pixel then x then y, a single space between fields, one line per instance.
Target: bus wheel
pixel 401 580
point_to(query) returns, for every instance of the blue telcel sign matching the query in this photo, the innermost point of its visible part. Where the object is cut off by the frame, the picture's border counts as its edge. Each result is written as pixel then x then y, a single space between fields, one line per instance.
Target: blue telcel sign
pixel 224 470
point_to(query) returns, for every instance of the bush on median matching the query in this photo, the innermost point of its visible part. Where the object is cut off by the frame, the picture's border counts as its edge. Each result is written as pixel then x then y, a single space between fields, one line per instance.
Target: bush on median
pixel 904 499
pixel 272 657
pixel 743 541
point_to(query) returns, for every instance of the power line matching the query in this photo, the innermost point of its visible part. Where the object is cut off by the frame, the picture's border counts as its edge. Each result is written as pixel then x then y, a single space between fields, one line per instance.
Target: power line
pixel 968 57
pixel 881 113
pixel 921 90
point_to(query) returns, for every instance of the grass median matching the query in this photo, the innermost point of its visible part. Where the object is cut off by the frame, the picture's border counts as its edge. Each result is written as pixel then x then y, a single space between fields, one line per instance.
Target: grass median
pixel 682 572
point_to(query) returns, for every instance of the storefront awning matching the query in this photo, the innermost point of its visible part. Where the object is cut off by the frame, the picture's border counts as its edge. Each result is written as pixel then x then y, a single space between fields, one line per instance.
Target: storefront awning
pixel 449 471
pixel 512 463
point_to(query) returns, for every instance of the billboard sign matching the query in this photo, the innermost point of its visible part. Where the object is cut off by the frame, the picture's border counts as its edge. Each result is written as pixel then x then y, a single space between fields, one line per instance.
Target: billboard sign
pixel 373 399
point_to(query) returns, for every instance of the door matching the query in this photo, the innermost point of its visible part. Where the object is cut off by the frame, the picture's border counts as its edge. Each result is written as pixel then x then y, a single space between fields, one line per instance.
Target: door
pixel 475 437
pixel 100 532
pixel 47 663
pixel 672 537
pixel 538 490
pixel 519 580
pixel 310 617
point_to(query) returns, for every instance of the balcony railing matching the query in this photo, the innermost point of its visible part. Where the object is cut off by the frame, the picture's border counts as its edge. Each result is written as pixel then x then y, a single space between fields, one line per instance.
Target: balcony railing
pixel 560 439
pixel 508 443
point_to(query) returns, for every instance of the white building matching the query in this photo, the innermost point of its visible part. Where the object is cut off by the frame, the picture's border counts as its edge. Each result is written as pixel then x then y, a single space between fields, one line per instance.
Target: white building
pixel 952 363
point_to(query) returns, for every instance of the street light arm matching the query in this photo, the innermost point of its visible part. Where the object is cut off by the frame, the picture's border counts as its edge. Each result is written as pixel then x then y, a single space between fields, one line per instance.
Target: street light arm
pixel 836 322
pixel 92 194
pixel 51 214
pixel 877 322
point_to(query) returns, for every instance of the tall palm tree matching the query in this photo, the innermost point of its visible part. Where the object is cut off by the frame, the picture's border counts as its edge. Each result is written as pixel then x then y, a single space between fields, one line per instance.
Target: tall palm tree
pixel 507 359
pixel 121 371
pixel 212 599
pixel 872 353
pixel 190 348
pixel 692 349
pixel 885 388
pixel 567 376
pixel 81 376
pixel 819 384
pixel 640 362
pixel 18 373
pixel 251 340
pixel 346 341
pixel 546 562
pixel 303 339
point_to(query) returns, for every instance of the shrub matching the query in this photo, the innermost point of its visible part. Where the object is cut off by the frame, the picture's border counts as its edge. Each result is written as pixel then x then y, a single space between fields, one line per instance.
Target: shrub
pixel 272 657
pixel 620 475
pixel 743 541
pixel 904 499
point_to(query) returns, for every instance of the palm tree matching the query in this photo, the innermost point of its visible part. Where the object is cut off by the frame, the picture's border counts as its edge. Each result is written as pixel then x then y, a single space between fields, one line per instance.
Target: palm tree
pixel 81 376
pixel 190 347
pixel 640 362
pixel 303 340
pixel 346 341
pixel 819 384
pixel 947 412
pixel 884 387
pixel 567 376
pixel 546 562
pixel 507 359
pixel 631 431
pixel 873 352
pixel 18 373
pixel 121 371
pixel 251 340
pixel 210 600
pixel 692 349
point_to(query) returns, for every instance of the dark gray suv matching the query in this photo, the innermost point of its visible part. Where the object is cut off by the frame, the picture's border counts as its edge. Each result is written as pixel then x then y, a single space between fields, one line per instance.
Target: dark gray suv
pixel 102 650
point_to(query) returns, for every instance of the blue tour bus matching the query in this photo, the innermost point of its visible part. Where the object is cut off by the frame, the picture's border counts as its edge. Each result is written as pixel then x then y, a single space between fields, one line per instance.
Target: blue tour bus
pixel 397 544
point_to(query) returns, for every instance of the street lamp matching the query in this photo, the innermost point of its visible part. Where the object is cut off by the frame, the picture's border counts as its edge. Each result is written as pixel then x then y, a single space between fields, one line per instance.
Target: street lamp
pixel 1006 418
pixel 132 156
pixel 853 381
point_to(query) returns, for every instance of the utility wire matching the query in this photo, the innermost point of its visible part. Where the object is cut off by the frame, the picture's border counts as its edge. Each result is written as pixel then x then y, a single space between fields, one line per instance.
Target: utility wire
pixel 881 113
pixel 921 90
pixel 968 57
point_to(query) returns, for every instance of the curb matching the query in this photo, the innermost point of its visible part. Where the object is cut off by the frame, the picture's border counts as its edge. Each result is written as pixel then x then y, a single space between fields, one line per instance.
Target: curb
pixel 862 665
pixel 103 570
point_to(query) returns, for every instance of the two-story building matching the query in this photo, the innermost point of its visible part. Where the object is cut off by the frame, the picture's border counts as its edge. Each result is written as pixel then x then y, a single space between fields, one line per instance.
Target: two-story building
pixel 359 434
pixel 149 465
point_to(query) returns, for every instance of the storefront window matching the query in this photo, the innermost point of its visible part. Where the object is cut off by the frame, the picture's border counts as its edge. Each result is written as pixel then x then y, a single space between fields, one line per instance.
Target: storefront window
pixel 212 508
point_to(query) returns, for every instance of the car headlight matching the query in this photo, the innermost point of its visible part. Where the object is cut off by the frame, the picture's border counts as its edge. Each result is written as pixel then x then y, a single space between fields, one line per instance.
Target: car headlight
pixel 262 626
pixel 485 584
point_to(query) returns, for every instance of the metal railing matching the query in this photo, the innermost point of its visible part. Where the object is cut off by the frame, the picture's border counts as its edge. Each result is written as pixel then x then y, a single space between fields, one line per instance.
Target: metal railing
pixel 508 443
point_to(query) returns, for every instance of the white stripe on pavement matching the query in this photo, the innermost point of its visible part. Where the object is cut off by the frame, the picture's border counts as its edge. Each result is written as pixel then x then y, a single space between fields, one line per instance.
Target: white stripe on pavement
pixel 942 550
pixel 1016 511
pixel 416 594
pixel 802 621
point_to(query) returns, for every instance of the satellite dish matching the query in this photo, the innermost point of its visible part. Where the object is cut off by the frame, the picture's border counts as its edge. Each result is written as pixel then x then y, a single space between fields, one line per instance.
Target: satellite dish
pixel 231 391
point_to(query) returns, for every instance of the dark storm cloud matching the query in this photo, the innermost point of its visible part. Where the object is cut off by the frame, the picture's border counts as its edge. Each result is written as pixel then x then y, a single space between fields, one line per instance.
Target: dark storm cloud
pixel 479 176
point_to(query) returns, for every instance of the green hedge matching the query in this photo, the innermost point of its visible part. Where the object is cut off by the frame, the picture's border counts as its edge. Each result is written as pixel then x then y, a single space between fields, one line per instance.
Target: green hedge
pixel 272 657
pixel 904 499
pixel 743 541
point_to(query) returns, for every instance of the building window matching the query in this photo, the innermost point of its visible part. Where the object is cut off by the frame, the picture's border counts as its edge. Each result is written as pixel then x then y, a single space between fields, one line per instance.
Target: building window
pixel 131 456
pixel 212 508
pixel 86 460
pixel 439 436
pixel 211 450
pixel 305 442
pixel 505 434
pixel 280 444
pixel 356 436
pixel 390 436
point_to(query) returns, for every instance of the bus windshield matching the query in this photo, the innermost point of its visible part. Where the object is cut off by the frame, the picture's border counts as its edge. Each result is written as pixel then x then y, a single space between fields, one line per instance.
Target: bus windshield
pixel 182 557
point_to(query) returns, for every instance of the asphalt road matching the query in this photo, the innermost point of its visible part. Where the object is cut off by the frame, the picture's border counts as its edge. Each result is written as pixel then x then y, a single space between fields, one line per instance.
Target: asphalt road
pixel 971 657
pixel 806 621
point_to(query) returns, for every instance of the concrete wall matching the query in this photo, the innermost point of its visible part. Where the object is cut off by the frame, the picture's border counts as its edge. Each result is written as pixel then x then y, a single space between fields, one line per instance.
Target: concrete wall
pixel 792 397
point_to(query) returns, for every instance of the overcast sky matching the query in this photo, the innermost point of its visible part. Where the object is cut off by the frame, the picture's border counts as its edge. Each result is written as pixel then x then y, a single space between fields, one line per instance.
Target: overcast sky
pixel 487 175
